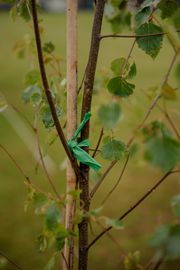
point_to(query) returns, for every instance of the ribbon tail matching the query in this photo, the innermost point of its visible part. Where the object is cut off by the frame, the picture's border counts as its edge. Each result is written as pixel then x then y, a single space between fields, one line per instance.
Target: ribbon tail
pixel 82 124
pixel 85 158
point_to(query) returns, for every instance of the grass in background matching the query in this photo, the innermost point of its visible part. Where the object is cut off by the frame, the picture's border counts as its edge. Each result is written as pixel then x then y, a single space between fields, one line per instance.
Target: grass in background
pixel 18 230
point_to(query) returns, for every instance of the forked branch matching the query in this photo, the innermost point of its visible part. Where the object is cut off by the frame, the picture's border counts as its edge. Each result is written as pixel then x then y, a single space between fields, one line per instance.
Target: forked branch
pixel 132 208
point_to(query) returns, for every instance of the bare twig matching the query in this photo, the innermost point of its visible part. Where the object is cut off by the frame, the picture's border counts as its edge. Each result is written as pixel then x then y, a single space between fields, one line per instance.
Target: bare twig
pixel 132 208
pixel 109 168
pixel 10 261
pixel 42 159
pixel 155 101
pixel 16 164
pixel 98 142
pixel 172 124
pixel 118 181
pixel 135 36
pixel 47 89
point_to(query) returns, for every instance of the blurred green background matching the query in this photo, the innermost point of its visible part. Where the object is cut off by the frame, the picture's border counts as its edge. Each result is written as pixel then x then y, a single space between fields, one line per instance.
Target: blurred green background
pixel 19 230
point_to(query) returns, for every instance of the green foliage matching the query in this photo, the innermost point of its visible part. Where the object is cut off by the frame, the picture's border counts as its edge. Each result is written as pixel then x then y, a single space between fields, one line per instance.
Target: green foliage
pixel 167 8
pixel 32 94
pixel 131 261
pixel 169 92
pixel 112 149
pixel 24 9
pixel 175 203
pixel 52 218
pixel 118 86
pixel 47 117
pixel 119 66
pixel 161 149
pixel 124 68
pixel 48 47
pixel 32 77
pixel 142 16
pixel 117 15
pixel 109 115
pixel 167 238
pixel 40 202
pixel 115 223
pixel 151 44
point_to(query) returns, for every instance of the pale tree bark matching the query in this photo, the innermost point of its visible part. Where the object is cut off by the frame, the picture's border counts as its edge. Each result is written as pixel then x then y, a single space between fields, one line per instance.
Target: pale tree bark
pixel 71 121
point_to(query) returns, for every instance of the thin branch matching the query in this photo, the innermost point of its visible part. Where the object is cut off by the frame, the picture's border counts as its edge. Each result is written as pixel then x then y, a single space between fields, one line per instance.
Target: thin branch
pixel 132 208
pixel 98 142
pixel 172 124
pixel 64 260
pixel 102 178
pixel 155 101
pixel 82 81
pixel 135 36
pixel 118 181
pixel 128 56
pixel 10 261
pixel 16 164
pixel 169 119
pixel 42 159
pixel 47 89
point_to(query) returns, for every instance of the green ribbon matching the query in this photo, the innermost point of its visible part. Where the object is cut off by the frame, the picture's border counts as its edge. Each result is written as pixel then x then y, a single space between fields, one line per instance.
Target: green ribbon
pixel 76 147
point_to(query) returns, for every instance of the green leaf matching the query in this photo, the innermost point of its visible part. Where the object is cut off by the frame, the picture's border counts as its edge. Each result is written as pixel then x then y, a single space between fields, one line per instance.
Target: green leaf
pixel 51 264
pixel 119 66
pixel 118 86
pixel 132 71
pixel 112 149
pixel 40 202
pixel 115 223
pixel 163 152
pixel 23 10
pixel 142 16
pixel 167 238
pixel 32 93
pixel 48 47
pixel 32 77
pixel 60 238
pixel 47 117
pixel 43 242
pixel 160 236
pixel 167 7
pixel 13 12
pixel 152 44
pixel 175 203
pixel 161 149
pixel 52 218
pixel 109 115
pixel 169 92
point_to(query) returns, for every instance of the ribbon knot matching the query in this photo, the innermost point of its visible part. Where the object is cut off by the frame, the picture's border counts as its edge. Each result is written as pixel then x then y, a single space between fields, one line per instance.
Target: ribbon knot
pixel 76 147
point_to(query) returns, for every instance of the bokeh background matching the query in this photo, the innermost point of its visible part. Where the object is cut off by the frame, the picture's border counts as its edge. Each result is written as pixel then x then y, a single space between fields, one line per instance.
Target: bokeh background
pixel 19 230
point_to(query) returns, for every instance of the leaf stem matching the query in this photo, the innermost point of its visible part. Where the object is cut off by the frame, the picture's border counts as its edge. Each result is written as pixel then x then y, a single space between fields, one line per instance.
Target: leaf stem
pixel 118 181
pixel 95 188
pixel 98 142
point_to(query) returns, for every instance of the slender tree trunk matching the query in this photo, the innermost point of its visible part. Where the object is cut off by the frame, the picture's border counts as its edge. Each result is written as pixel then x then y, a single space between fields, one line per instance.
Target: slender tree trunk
pixel 86 107
pixel 71 121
